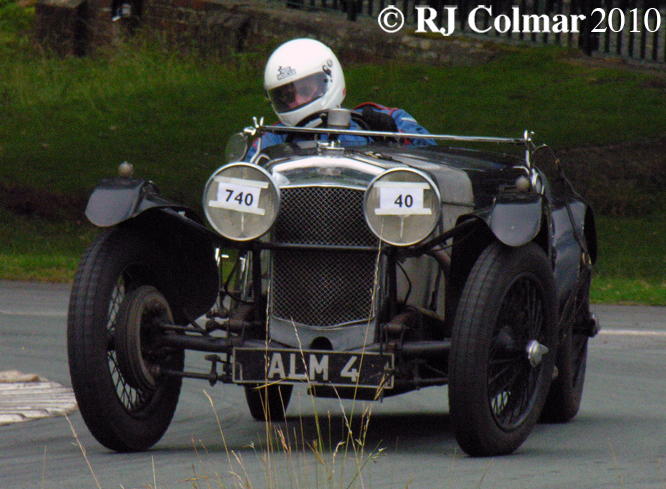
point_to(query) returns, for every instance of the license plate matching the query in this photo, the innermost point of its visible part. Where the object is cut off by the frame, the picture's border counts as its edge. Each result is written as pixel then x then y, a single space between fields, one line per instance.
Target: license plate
pixel 340 369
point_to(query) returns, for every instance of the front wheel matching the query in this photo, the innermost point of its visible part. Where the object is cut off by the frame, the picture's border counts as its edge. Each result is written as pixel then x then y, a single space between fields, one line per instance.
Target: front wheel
pixel 503 348
pixel 114 358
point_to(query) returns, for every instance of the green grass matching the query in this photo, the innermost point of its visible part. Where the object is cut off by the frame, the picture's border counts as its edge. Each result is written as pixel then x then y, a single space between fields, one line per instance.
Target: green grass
pixel 38 250
pixel 632 261
pixel 547 90
pixel 69 122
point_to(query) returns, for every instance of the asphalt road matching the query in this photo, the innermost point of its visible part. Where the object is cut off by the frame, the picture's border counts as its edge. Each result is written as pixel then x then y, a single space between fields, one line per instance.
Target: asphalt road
pixel 617 440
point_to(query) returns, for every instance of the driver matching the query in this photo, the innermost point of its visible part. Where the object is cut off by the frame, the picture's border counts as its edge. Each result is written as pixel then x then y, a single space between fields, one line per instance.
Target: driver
pixel 303 77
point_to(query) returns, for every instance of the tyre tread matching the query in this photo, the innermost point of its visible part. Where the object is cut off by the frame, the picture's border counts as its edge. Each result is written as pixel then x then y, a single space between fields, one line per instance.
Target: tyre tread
pixel 100 408
pixel 475 428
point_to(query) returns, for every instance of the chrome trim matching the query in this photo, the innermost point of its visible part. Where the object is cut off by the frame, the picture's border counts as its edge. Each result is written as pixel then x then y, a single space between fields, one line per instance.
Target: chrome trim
pixel 433 186
pixel 526 139
pixel 330 172
pixel 349 337
pixel 206 205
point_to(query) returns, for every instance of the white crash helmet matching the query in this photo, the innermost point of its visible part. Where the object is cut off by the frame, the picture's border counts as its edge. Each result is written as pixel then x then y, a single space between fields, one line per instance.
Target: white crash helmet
pixel 303 77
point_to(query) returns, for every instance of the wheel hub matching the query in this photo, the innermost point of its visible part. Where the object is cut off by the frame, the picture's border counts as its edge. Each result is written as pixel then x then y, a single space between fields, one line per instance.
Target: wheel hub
pixel 144 309
pixel 535 352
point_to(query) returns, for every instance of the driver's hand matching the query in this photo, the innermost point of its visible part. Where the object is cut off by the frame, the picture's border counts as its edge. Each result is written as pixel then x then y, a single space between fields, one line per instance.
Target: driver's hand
pixel 378 121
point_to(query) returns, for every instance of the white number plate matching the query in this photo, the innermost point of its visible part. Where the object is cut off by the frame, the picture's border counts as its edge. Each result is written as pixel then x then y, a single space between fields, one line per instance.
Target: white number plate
pixel 330 368
pixel 401 199
pixel 239 195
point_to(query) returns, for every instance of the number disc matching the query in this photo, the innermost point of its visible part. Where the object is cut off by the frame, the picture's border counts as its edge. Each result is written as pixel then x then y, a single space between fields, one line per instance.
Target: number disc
pixel 402 206
pixel 241 201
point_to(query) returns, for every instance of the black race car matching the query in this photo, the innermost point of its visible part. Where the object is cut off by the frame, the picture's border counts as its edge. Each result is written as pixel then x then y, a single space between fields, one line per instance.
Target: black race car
pixel 365 272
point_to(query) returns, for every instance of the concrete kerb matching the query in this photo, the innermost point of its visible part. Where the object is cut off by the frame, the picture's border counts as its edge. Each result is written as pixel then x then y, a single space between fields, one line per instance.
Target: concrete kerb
pixel 25 397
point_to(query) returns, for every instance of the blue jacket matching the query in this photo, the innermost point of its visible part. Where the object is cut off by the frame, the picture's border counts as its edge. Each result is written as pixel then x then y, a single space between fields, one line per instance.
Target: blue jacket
pixel 405 123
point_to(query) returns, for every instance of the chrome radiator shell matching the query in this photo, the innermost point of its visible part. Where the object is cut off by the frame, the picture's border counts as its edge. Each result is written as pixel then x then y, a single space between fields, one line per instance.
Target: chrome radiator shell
pixel 318 293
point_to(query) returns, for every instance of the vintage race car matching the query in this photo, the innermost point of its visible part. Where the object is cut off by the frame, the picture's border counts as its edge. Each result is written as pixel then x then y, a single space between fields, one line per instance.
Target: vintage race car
pixel 363 271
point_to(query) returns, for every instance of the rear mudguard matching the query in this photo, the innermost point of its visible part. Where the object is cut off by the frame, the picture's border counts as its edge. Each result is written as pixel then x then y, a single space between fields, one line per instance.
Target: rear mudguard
pixel 187 248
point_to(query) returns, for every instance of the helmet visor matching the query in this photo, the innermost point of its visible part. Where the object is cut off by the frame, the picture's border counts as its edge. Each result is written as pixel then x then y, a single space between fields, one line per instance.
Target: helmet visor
pixel 299 93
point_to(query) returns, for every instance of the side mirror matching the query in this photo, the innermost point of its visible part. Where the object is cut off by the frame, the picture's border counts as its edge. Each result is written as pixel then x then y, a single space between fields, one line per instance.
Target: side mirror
pixel 236 148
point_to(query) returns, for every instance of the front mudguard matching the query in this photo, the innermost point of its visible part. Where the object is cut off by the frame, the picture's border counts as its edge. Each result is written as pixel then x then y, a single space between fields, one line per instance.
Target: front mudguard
pixel 189 272
pixel 515 219
pixel 116 200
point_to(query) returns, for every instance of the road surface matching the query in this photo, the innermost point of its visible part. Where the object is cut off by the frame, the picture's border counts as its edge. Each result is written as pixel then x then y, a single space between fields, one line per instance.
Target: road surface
pixel 617 440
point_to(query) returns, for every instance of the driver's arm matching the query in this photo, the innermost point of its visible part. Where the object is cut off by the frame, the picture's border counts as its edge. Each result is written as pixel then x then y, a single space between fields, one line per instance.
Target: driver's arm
pixel 407 124
pixel 381 118
pixel 268 139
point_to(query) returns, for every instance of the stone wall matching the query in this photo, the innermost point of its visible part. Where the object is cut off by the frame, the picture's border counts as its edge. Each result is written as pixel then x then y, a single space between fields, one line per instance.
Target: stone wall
pixel 237 26
pixel 242 25
pixel 259 23
pixel 60 25
pixel 71 27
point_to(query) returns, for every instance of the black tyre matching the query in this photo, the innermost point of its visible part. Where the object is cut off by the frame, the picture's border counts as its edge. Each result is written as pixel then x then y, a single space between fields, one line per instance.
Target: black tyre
pixel 566 391
pixel 125 402
pixel 503 348
pixel 268 403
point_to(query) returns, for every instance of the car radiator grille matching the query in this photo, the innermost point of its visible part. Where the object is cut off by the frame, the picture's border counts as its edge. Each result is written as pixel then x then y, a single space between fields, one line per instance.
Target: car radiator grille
pixel 321 288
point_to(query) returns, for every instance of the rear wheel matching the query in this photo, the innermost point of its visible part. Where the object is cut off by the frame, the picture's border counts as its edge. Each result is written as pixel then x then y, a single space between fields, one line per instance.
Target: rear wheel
pixel 503 345
pixel 566 391
pixel 268 402
pixel 114 359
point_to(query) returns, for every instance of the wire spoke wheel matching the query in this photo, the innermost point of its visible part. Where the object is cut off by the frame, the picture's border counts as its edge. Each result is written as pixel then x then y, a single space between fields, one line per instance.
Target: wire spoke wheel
pixel 503 345
pixel 512 380
pixel 111 351
pixel 131 398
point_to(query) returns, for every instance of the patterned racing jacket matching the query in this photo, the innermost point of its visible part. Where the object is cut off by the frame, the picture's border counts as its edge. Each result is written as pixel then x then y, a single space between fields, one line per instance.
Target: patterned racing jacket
pixel 401 122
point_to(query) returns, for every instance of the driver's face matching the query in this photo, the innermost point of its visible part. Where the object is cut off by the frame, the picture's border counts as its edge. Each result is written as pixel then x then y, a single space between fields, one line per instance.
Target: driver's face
pixel 299 93
pixel 303 91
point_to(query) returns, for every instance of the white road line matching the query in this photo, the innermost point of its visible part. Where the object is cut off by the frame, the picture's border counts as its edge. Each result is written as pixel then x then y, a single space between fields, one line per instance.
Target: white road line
pixel 52 314
pixel 632 332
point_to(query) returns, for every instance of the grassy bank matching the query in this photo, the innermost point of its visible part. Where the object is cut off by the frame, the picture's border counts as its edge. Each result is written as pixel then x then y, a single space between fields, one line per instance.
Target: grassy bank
pixel 631 267
pixel 68 122
pixel 40 250
pixel 632 261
